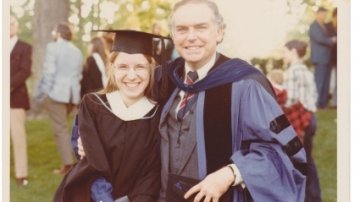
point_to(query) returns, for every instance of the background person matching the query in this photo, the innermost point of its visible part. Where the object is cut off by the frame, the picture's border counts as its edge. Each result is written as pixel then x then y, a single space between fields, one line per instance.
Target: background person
pixel 20 70
pixel 320 44
pixel 301 88
pixel 94 75
pixel 59 88
pixel 332 30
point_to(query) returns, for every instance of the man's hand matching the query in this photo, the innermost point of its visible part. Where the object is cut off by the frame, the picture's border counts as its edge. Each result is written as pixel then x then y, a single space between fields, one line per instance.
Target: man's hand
pixel 41 97
pixel 81 151
pixel 213 186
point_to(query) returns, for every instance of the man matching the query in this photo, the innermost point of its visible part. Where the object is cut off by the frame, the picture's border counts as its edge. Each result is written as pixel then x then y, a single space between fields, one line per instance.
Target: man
pixel 320 44
pixel 59 87
pixel 223 126
pixel 20 70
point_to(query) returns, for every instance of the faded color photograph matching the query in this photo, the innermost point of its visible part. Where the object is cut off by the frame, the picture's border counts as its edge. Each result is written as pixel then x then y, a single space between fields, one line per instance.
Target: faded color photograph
pixel 170 101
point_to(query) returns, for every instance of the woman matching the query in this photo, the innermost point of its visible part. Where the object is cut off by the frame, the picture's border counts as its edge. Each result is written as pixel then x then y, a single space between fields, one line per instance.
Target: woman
pixel 119 128
pixel 94 76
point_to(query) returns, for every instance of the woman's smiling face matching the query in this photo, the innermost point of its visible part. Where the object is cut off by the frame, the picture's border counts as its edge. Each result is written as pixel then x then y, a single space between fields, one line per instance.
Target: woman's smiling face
pixel 132 76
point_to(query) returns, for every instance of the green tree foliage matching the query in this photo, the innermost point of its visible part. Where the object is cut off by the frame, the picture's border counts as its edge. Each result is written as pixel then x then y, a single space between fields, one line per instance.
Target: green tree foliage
pixel 136 14
pixel 304 13
pixel 140 14
pixel 87 15
pixel 130 14
pixel 300 31
pixel 24 13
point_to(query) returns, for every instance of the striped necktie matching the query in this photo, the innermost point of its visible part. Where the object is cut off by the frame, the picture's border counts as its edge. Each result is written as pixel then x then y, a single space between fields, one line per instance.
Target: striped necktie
pixel 189 98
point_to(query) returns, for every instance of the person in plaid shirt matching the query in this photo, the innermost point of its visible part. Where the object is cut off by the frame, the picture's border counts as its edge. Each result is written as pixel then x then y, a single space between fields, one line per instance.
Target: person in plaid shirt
pixel 301 91
pixel 297 114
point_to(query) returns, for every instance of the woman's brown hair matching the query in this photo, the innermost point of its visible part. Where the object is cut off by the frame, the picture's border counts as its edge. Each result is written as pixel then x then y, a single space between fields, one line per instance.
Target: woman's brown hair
pixel 299 46
pixel 99 47
pixel 65 31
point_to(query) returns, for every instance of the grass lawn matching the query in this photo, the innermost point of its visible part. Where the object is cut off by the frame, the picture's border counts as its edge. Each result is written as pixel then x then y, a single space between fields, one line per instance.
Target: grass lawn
pixel 43 158
pixel 324 153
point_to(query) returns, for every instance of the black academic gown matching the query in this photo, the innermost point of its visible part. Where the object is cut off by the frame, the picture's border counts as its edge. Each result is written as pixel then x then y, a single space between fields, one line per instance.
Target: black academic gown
pixel 126 153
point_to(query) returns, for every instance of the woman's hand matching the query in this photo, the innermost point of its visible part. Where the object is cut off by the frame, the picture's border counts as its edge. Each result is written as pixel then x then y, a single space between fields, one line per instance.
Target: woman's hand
pixel 81 151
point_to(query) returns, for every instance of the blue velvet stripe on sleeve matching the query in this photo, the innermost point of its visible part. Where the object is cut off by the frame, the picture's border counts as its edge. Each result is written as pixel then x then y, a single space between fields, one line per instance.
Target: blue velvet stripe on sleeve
pixel 75 136
pixel 101 191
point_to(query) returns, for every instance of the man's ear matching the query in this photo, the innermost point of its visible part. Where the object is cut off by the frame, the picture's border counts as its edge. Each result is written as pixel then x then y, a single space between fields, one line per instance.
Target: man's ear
pixel 294 51
pixel 220 35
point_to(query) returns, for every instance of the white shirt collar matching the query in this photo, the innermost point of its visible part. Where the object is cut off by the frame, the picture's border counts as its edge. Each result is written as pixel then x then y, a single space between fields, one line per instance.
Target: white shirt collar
pixel 202 71
pixel 101 66
pixel 13 41
pixel 136 111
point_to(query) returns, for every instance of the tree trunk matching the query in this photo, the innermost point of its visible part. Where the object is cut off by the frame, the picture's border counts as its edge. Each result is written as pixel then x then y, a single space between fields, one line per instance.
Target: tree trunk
pixel 47 14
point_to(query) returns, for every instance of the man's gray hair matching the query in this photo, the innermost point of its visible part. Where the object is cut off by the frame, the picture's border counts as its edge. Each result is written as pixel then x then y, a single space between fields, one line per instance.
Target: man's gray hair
pixel 212 5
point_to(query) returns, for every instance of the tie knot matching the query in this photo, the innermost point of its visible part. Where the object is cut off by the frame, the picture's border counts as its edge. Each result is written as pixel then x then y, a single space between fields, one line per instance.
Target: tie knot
pixel 192 76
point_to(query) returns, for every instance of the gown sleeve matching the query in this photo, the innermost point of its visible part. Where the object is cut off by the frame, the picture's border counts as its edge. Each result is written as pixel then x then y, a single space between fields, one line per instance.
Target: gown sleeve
pixel 267 169
pixel 76 184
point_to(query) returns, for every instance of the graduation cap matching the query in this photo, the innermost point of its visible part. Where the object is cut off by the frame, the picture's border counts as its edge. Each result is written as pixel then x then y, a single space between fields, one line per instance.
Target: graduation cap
pixel 133 42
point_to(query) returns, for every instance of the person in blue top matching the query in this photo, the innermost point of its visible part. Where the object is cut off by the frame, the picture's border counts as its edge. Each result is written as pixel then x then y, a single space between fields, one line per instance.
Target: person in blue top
pixel 223 136
pixel 59 88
